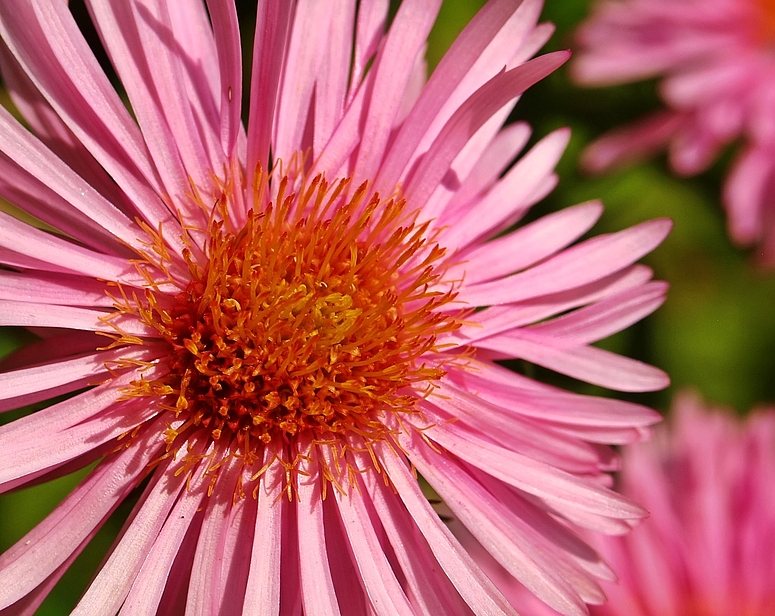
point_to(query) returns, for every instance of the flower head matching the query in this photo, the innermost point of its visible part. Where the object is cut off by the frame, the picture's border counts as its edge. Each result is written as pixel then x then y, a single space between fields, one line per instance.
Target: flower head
pixel 706 548
pixel 717 63
pixel 279 325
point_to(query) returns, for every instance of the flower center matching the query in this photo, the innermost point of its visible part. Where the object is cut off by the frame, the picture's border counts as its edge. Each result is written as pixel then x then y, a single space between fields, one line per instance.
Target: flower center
pixel 315 318
pixel 766 20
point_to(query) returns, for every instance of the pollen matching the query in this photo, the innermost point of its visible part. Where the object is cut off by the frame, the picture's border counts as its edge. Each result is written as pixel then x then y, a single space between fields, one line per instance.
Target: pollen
pixel 317 318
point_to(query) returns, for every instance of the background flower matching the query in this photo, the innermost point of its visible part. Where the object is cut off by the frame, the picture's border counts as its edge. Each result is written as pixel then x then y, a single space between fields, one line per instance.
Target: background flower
pixel 706 548
pixel 716 60
pixel 288 313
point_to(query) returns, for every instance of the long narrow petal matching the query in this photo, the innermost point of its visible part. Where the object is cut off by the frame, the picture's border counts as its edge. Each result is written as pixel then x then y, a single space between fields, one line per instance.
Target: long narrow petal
pixel 229 48
pixel 114 580
pixel 48 44
pixel 273 22
pixel 262 596
pixel 384 591
pixel 453 67
pixel 317 586
pixel 470 116
pixel 34 557
pixel 472 584
pixel 579 265
pixel 148 587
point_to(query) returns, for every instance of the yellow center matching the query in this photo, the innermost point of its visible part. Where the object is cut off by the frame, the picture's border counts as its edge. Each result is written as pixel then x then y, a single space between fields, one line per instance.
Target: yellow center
pixel 314 318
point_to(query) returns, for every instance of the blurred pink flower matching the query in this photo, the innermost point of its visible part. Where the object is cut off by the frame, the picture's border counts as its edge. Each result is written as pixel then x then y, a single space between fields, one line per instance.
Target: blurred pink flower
pixel 708 480
pixel 276 324
pixel 717 58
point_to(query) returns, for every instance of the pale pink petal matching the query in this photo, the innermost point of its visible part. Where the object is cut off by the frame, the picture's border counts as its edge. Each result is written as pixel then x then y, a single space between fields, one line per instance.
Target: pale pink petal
pixel 229 51
pixel 78 207
pixel 477 590
pixel 498 54
pixel 331 85
pixel 586 363
pixel 432 593
pixel 470 116
pixel 529 244
pixel 28 241
pixel 392 69
pixel 606 317
pixel 745 194
pixel 47 43
pixel 455 65
pixel 53 132
pixel 306 46
pixel 262 596
pixel 131 34
pixel 508 540
pixel 63 290
pixel 317 586
pixel 510 193
pixel 479 165
pixel 579 265
pixel 34 557
pixel 28 458
pixel 148 586
pixel 273 22
pixel 39 378
pixel 112 584
pixel 560 490
pixel 498 319
pixel 380 583
pixel 372 17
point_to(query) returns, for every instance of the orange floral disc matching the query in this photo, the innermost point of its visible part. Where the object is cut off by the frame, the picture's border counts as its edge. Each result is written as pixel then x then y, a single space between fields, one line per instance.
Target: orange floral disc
pixel 312 319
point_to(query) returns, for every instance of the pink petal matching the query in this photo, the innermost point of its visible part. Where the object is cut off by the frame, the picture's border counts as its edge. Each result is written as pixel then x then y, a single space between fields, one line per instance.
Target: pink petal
pixel 273 21
pixel 372 17
pixel 62 289
pixel 47 376
pixel 611 315
pixel 262 596
pixel 454 66
pixel 506 197
pixel 58 196
pixel 404 41
pixel 306 50
pixel 229 51
pixel 148 586
pixel 472 584
pixel 114 580
pixel 383 589
pixel 527 245
pixel 26 240
pixel 432 593
pixel 572 268
pixel 464 123
pixel 558 489
pixel 317 586
pixel 34 557
pixel 505 536
pixel 331 85
pixel 49 46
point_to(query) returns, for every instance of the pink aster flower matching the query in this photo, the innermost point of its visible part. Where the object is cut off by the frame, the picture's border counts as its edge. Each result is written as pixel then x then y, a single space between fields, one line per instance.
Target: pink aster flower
pixel 718 63
pixel 706 550
pixel 278 325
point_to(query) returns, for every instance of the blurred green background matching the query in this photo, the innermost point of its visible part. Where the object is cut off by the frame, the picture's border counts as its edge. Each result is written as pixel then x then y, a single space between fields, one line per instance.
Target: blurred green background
pixel 714 333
